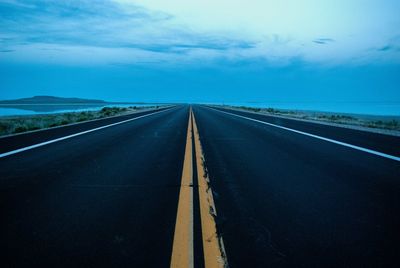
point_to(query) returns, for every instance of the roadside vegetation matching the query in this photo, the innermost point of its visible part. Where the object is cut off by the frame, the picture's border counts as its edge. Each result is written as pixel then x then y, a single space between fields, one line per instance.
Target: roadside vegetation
pixel 19 124
pixel 344 119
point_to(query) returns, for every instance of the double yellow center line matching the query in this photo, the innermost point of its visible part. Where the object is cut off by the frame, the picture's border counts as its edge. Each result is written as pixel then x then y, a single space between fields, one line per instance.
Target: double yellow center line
pixel 213 248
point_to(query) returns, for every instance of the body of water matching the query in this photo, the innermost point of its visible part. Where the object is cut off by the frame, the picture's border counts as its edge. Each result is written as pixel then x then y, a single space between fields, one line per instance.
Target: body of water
pixel 12 110
pixel 380 109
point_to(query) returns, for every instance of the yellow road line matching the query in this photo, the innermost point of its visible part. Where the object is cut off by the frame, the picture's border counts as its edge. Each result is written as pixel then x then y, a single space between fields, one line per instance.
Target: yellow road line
pixel 182 250
pixel 213 247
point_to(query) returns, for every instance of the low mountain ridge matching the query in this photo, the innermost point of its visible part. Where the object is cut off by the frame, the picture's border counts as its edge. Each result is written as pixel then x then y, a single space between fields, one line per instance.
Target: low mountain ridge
pixel 50 100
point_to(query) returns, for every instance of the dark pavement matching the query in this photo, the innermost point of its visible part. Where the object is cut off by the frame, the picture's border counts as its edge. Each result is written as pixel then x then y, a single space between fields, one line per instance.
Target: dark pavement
pixel 383 143
pixel 14 142
pixel 103 199
pixel 288 200
pixel 109 198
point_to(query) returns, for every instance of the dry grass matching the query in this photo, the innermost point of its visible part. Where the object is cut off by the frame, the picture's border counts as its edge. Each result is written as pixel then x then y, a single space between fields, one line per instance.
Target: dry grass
pixel 19 124
pixel 387 124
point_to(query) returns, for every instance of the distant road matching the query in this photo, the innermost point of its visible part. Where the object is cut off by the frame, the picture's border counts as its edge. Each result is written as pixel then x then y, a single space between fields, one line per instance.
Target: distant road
pixel 131 191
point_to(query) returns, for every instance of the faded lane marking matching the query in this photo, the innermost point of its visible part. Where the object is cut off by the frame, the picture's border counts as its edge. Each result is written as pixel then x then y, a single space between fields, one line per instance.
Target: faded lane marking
pixel 213 246
pixel 182 251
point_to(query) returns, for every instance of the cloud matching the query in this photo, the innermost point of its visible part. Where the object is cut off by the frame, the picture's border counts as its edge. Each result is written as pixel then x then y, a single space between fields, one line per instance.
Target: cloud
pixel 393 45
pixel 91 23
pixel 385 48
pixel 323 41
pixel 176 31
pixel 47 25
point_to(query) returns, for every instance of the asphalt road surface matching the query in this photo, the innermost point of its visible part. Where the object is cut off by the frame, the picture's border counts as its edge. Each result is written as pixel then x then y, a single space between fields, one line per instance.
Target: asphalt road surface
pixel 275 192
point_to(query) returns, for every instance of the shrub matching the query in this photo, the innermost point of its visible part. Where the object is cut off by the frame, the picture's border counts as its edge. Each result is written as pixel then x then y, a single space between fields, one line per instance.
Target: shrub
pixel 23 124
pixel 391 124
pixel 20 129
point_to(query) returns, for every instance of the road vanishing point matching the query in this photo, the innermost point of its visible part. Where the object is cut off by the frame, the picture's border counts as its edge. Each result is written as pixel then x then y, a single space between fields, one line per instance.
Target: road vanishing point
pixel 199 186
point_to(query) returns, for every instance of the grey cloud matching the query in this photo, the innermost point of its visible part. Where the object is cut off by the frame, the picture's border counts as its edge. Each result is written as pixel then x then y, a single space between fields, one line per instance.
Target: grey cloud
pixel 385 48
pixel 101 24
pixel 323 41
pixel 393 44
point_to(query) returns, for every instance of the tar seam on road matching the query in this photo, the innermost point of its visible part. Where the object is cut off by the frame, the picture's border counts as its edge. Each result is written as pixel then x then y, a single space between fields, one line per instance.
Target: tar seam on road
pixel 213 245
pixel 213 248
pixel 76 134
pixel 388 156
pixel 198 233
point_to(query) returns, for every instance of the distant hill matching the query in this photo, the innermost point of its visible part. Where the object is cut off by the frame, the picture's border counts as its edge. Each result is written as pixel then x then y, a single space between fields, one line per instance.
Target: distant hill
pixel 51 100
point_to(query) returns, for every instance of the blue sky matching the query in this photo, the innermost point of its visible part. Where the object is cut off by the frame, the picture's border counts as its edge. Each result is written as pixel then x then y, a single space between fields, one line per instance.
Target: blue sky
pixel 333 55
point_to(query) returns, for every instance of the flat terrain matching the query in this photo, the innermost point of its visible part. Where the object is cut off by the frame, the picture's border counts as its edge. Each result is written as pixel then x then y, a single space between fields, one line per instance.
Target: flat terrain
pixel 108 193
pixel 19 124
pixel 383 124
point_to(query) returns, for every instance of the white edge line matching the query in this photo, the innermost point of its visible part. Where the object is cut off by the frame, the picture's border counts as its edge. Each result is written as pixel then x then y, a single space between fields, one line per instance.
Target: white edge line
pixel 75 134
pixel 82 122
pixel 392 157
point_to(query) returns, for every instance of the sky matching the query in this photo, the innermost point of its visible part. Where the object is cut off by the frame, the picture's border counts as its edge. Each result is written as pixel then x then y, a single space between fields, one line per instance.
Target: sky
pixel 337 55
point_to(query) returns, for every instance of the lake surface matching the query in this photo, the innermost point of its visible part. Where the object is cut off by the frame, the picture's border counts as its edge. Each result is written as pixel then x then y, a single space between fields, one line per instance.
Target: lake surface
pixel 11 110
pixel 385 109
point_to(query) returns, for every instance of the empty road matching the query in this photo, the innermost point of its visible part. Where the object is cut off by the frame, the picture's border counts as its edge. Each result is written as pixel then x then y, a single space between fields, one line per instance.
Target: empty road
pixel 199 187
